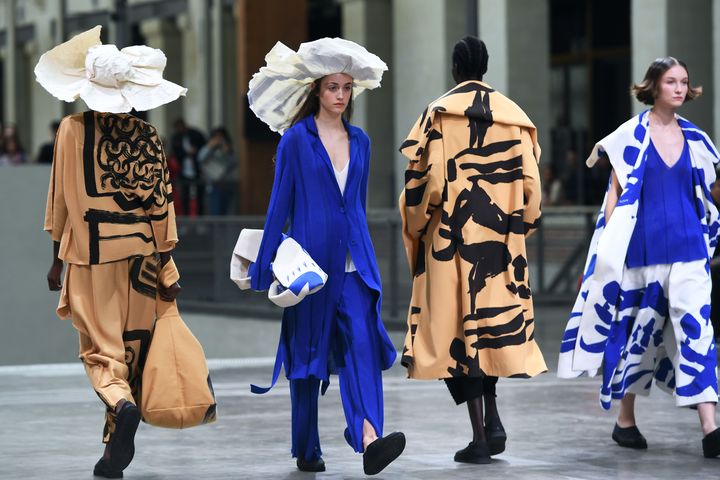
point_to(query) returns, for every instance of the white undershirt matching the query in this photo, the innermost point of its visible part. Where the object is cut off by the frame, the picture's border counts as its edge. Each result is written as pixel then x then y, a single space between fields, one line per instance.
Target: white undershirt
pixel 341 178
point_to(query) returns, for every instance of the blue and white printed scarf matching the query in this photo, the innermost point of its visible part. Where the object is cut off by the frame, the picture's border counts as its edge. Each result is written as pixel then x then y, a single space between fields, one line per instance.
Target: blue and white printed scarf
pixel 586 334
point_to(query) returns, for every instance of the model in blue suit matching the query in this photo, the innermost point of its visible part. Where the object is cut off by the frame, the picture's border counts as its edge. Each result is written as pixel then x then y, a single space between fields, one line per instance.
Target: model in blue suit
pixel 338 329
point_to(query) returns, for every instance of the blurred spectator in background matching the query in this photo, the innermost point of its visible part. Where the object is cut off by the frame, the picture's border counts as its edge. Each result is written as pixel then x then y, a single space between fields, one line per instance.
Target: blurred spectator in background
pixel 11 150
pixel 571 178
pixel 186 142
pixel 45 155
pixel 596 181
pixel 551 186
pixel 218 165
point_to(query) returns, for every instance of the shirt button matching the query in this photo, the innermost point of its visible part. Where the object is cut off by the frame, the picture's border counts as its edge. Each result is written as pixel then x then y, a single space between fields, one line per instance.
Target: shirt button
pixel 342 209
pixel 353 242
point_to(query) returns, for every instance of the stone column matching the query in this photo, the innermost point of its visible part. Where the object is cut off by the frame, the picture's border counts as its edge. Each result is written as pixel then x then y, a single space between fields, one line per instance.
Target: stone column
pixel 193 26
pixel 43 108
pixel 514 69
pixel 424 32
pixel 215 52
pixel 10 63
pixel 682 29
pixel 165 35
pixel 369 23
pixel 690 37
pixel 648 32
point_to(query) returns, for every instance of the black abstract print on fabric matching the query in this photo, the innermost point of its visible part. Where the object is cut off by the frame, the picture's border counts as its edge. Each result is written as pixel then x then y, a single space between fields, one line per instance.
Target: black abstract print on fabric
pixel 471 197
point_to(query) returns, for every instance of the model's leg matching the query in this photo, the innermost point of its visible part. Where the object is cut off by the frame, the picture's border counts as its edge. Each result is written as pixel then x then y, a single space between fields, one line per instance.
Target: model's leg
pixel 694 355
pixel 470 390
pixel 100 300
pixel 98 307
pixel 494 430
pixel 360 377
pixel 305 437
pixel 626 415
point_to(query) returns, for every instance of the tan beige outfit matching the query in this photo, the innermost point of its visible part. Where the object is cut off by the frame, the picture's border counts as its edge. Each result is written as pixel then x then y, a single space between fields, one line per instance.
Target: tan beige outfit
pixel 110 208
pixel 471 197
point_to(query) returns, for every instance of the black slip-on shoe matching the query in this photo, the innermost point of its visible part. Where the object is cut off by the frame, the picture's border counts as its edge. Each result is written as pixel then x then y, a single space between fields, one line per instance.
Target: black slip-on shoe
pixel 317 465
pixel 475 452
pixel 629 437
pixel 382 452
pixel 103 469
pixel 496 436
pixel 122 441
pixel 711 444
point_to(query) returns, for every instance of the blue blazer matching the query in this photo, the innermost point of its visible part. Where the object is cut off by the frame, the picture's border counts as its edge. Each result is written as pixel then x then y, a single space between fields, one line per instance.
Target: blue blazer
pixel 327 223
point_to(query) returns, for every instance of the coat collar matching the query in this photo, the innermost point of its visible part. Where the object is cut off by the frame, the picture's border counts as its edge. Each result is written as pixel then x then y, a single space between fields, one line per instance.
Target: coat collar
pixel 311 126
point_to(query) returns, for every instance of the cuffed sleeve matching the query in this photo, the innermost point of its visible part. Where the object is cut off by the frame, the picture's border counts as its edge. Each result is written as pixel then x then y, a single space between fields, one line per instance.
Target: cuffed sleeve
pixel 281 199
pixel 56 211
pixel 424 181
pixel 159 205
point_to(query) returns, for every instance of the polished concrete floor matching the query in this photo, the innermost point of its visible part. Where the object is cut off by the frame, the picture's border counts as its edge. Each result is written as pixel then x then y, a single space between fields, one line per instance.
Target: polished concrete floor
pixel 51 422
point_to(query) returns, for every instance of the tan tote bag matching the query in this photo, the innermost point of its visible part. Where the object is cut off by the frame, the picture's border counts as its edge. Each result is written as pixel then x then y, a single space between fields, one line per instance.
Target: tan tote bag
pixel 176 387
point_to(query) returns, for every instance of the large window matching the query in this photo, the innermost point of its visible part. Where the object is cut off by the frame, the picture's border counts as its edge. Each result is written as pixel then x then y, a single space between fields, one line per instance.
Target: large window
pixel 590 80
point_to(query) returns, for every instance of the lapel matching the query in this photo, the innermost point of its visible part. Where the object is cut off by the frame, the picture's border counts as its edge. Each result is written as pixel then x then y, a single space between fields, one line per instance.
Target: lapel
pixel 322 153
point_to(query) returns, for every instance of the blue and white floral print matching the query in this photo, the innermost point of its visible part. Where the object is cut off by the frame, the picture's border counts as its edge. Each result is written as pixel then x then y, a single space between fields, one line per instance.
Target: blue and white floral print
pixel 610 321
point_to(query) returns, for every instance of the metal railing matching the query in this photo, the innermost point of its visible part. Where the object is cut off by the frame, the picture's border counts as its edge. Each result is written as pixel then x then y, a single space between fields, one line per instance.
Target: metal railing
pixel 556 258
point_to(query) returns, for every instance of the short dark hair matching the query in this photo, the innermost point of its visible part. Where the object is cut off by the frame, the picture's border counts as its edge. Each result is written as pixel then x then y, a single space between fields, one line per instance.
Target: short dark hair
pixel 647 90
pixel 470 58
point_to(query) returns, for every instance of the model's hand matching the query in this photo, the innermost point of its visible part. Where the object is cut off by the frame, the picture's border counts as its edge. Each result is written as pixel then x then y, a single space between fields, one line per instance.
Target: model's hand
pixel 53 276
pixel 168 294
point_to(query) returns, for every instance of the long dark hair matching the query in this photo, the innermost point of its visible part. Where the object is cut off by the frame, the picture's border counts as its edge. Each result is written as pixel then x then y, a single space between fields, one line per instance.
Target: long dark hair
pixel 311 106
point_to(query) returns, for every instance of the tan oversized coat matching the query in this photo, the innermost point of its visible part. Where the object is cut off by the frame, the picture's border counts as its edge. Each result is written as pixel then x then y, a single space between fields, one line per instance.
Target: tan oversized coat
pixel 110 195
pixel 471 197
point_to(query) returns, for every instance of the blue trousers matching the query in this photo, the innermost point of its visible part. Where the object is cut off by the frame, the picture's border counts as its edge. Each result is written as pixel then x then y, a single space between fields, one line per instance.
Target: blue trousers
pixel 359 374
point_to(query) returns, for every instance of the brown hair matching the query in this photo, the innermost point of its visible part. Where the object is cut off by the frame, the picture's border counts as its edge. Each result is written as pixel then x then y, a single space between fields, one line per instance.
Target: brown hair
pixel 311 106
pixel 647 90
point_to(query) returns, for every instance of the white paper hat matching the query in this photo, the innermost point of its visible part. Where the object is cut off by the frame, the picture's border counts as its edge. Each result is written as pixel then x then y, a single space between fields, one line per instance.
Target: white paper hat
pixel 279 89
pixel 107 79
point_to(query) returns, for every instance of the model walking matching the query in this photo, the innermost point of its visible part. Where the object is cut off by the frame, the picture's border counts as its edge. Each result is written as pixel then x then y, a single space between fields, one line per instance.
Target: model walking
pixel 643 311
pixel 321 178
pixel 111 219
pixel 471 197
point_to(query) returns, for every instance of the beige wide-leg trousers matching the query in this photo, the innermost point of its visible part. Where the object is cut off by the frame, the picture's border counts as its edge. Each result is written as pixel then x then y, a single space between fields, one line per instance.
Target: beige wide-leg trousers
pixel 112 306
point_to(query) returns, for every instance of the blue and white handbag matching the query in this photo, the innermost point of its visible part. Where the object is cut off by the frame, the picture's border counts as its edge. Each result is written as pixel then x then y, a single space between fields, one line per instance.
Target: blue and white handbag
pixel 296 273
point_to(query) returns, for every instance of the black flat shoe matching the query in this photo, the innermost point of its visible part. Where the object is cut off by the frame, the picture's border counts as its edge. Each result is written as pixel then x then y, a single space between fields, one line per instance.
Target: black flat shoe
pixel 711 444
pixel 496 436
pixel 629 437
pixel 122 441
pixel 103 469
pixel 382 452
pixel 317 465
pixel 475 452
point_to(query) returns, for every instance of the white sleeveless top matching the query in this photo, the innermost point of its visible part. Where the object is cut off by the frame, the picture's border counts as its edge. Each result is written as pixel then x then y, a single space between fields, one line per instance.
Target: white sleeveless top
pixel 341 178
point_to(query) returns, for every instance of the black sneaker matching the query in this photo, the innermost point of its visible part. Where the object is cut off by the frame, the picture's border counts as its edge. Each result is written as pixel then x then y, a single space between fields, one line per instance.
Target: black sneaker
pixel 103 469
pixel 122 442
pixel 496 436
pixel 382 452
pixel 629 437
pixel 475 452
pixel 711 444
pixel 317 465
